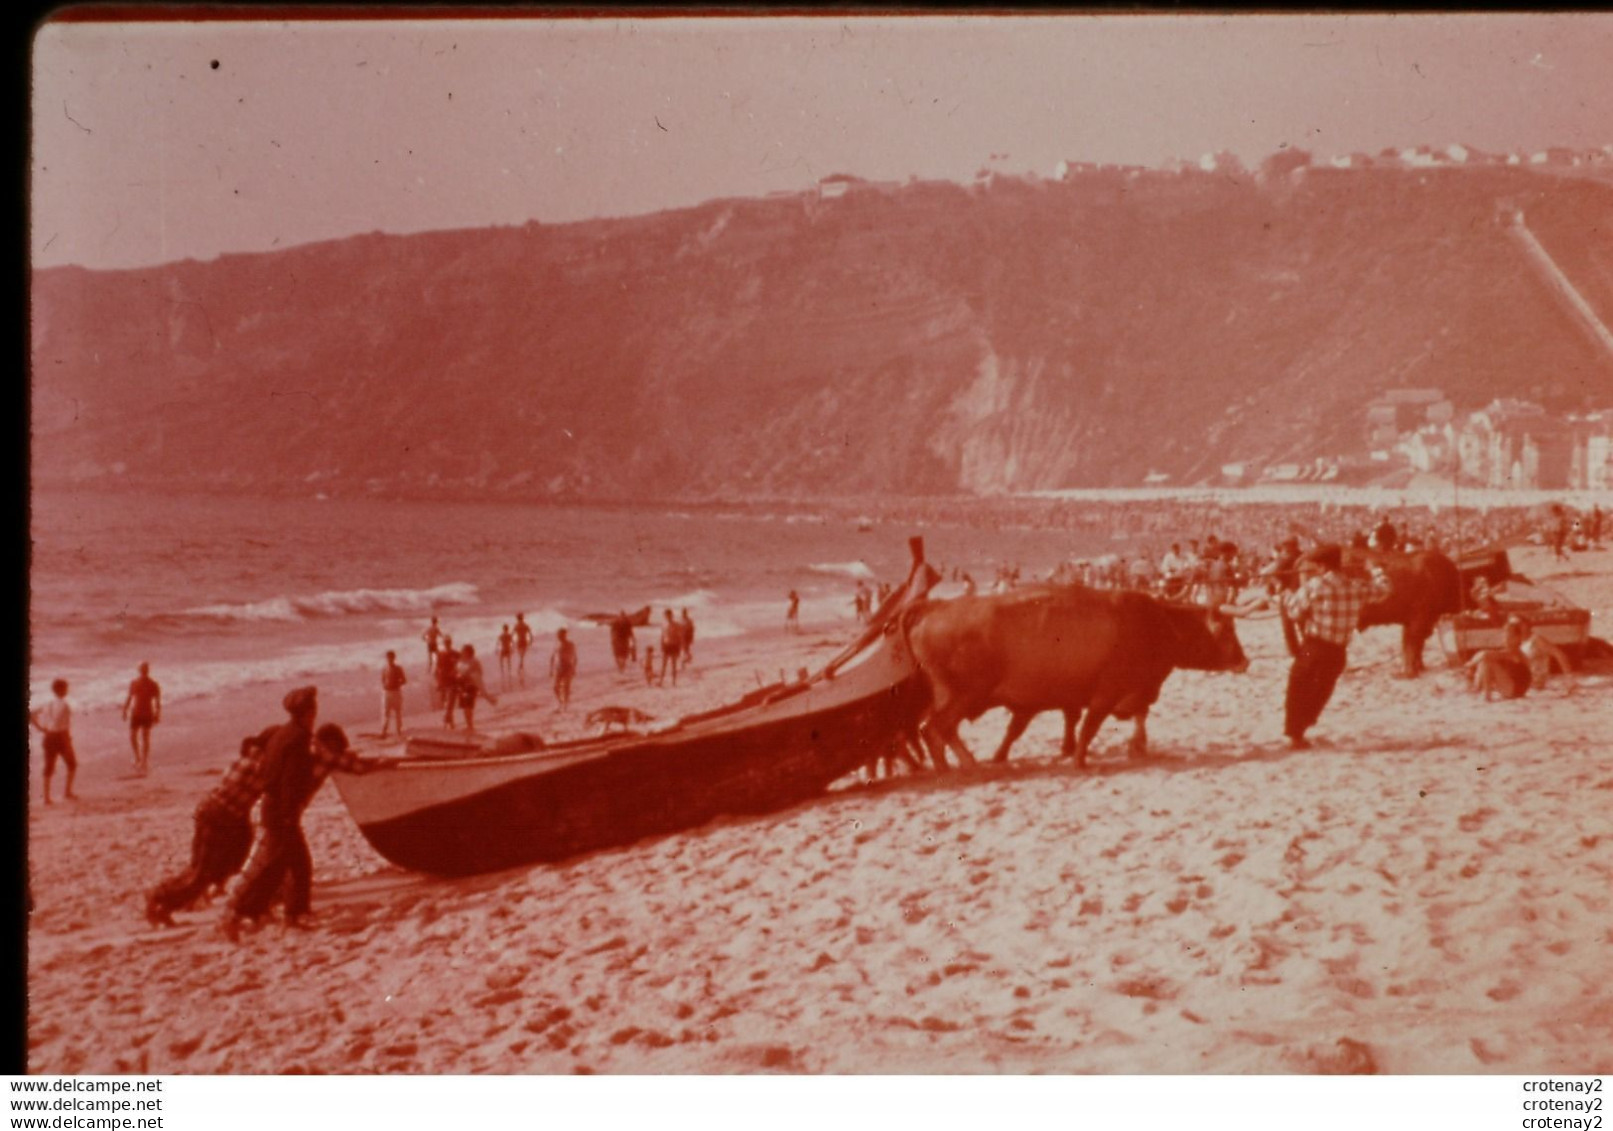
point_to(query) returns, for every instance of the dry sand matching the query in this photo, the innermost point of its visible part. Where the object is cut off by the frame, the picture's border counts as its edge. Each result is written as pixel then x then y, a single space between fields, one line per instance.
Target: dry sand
pixel 1430 890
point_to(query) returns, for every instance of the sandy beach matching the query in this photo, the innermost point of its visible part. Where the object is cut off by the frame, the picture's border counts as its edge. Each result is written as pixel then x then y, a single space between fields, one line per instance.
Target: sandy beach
pixel 1429 890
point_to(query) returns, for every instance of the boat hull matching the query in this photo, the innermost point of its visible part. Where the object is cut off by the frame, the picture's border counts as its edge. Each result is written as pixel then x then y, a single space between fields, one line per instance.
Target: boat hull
pixel 463 816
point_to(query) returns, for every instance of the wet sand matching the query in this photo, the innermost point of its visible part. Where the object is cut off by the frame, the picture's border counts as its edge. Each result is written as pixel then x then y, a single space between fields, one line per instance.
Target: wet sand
pixel 1430 889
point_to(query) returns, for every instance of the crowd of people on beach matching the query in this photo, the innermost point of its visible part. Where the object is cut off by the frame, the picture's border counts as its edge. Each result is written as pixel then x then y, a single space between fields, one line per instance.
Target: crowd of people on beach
pixel 458 680
pixel 1215 570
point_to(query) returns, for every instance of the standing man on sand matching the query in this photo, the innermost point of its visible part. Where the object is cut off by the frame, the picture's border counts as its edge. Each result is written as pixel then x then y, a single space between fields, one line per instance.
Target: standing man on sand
pixel 563 667
pixel 142 707
pixel 55 718
pixel 296 762
pixel 1327 609
pixel 392 681
pixel 792 615
pixel 523 641
pixel 223 837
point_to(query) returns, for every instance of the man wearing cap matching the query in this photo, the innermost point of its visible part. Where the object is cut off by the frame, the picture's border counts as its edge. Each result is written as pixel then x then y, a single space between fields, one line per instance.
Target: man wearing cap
pixel 223 836
pixel 1326 609
pixel 297 762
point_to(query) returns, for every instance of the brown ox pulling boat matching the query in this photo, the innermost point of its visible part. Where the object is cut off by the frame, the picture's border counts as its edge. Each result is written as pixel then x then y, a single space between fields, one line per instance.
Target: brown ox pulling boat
pixel 1058 648
pixel 776 747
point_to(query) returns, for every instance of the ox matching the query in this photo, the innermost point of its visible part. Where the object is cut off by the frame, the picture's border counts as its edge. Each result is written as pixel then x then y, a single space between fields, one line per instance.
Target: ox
pixel 1424 586
pixel 1054 648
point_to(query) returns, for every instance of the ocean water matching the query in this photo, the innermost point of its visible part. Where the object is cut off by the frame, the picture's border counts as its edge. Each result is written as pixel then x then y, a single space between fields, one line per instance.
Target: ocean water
pixel 225 595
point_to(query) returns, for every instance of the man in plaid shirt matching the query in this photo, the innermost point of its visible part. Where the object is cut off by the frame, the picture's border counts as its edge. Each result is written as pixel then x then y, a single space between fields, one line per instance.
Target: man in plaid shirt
pixel 223 836
pixel 1327 609
pixel 298 761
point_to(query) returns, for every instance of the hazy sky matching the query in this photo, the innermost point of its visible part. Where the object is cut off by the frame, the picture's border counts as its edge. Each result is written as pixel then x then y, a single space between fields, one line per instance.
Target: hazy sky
pixel 164 141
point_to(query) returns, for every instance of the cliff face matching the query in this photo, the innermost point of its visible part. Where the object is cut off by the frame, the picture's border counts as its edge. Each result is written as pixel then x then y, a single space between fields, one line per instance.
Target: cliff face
pixel 921 339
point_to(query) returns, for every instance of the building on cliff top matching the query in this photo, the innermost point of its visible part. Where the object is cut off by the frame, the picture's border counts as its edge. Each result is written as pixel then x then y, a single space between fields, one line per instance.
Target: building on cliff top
pixel 1517 444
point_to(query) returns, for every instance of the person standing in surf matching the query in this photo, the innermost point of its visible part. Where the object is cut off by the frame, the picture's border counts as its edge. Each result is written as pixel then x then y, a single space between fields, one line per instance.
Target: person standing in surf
pixel 523 641
pixel 448 680
pixel 506 652
pixel 792 615
pixel 431 636
pixel 142 707
pixel 392 681
pixel 471 686
pixel 622 645
pixel 671 647
pixel 563 667
pixel 687 624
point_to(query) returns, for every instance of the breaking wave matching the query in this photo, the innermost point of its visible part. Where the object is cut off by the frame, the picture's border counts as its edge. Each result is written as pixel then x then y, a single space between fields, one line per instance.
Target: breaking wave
pixel 342 602
pixel 858 569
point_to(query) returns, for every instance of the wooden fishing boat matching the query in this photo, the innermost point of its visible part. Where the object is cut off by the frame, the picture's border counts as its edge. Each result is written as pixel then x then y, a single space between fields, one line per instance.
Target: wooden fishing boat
pixel 480 810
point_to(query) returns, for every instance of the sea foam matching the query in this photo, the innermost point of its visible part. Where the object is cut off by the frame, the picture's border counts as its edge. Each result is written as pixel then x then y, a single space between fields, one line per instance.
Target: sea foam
pixel 342 602
pixel 857 569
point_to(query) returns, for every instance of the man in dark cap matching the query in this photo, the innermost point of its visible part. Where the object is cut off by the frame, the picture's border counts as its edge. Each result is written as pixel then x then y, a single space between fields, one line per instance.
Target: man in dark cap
pixel 1326 609
pixel 297 762
pixel 1284 569
pixel 223 836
